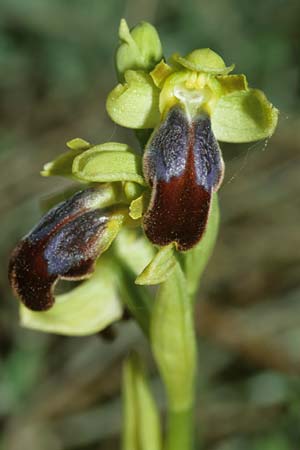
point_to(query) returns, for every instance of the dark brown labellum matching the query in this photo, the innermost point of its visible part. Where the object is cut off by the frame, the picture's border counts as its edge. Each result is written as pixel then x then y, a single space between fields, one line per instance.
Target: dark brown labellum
pixel 184 166
pixel 64 244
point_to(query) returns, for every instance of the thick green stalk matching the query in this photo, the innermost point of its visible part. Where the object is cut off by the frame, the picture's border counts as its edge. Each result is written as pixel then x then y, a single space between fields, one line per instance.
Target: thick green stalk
pixel 174 347
pixel 180 431
pixel 173 337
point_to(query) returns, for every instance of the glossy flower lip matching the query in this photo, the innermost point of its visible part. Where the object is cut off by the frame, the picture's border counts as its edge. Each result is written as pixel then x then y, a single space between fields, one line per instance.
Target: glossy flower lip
pixel 184 166
pixel 64 245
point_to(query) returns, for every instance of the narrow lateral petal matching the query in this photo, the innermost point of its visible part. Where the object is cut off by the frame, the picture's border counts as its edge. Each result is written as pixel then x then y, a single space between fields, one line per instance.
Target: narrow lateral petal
pixel 65 244
pixel 184 165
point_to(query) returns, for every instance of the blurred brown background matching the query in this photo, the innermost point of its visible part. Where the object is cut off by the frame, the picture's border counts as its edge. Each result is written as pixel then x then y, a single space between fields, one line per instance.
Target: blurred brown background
pixel 56 59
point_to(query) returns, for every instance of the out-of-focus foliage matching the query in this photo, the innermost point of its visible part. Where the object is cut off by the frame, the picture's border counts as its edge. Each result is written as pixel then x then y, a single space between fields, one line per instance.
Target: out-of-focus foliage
pixel 56 61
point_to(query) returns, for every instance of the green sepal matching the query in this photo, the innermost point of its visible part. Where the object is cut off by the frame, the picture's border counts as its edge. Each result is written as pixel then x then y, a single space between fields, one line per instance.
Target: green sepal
pixel 141 422
pixel 160 268
pixel 134 104
pixel 98 165
pixel 173 340
pixel 203 60
pixel 87 309
pixel 195 260
pixel 140 48
pixel 244 116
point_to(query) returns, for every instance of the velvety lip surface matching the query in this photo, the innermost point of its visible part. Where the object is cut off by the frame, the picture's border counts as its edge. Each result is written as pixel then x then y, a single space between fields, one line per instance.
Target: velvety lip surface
pixel 64 244
pixel 183 163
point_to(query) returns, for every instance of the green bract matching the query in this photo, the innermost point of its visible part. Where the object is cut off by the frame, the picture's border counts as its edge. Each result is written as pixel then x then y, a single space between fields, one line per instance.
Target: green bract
pixel 160 268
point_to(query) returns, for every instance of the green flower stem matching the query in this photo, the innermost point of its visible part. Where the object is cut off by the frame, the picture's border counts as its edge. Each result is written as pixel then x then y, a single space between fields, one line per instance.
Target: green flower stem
pixel 141 423
pixel 174 347
pixel 180 431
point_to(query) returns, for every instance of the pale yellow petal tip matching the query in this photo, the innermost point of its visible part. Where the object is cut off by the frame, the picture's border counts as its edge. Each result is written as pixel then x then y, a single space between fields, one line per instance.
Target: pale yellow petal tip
pixel 124 32
pixel 45 172
pixel 136 208
pixel 78 144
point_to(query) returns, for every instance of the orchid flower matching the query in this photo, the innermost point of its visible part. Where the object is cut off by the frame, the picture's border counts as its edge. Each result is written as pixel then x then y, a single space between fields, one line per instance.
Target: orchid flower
pixel 139 220
pixel 185 105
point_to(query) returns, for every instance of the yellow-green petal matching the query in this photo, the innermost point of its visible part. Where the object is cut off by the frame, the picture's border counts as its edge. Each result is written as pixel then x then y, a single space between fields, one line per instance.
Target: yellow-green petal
pixel 160 72
pixel 96 165
pixel 137 207
pixel 134 104
pixel 140 48
pixel 230 83
pixel 225 84
pixel 244 116
pixel 87 309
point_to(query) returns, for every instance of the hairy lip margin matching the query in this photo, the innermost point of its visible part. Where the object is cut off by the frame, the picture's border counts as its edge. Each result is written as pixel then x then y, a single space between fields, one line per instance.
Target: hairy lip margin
pixel 63 245
pixel 184 166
